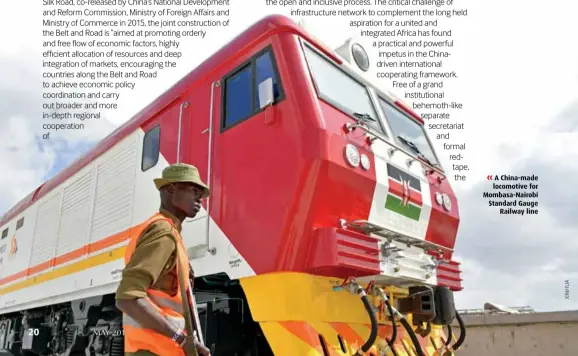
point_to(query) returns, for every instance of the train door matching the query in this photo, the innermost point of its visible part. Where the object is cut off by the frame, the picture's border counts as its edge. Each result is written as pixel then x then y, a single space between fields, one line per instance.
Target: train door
pixel 199 124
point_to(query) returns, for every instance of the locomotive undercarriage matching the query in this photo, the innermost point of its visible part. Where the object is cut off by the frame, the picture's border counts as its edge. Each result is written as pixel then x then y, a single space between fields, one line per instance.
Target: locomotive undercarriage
pixel 93 326
pixel 90 326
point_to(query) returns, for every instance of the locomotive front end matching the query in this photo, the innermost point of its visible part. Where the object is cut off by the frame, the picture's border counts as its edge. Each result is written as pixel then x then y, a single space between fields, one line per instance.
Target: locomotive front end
pixel 331 192
pixel 380 275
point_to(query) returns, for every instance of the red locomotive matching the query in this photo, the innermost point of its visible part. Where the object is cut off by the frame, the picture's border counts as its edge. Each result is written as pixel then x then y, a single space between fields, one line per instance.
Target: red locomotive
pixel 321 183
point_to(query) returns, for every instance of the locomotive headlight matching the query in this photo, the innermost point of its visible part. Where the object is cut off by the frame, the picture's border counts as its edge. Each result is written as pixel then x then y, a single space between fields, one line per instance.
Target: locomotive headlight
pixel 365 163
pixel 439 198
pixel 352 155
pixel 360 57
pixel 447 202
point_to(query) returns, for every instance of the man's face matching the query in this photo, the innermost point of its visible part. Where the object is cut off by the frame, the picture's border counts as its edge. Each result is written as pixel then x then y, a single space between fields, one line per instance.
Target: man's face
pixel 187 198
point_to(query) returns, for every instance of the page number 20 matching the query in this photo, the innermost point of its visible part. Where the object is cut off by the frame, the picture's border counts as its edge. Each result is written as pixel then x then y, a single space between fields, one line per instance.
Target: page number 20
pixel 34 332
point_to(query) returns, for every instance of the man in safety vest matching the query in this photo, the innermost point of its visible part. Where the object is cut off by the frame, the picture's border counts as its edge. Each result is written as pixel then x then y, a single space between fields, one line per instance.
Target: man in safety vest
pixel 149 294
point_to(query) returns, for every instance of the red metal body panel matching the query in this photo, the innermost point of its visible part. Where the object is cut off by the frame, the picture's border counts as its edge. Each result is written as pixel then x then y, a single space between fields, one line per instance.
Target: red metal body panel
pixel 449 275
pixel 443 226
pixel 343 253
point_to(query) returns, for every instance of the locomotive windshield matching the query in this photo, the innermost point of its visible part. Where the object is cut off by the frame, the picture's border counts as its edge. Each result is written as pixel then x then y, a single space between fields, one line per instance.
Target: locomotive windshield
pixel 407 132
pixel 349 95
pixel 341 90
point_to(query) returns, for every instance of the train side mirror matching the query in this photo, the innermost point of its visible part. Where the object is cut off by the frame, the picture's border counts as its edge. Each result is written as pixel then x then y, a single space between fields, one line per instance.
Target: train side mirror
pixel 266 94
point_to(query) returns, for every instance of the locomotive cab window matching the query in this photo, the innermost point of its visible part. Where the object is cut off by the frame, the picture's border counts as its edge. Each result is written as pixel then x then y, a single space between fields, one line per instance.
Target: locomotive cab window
pixel 407 132
pixel 238 96
pixel 338 88
pixel 241 88
pixel 151 148
pixel 5 233
pixel 19 223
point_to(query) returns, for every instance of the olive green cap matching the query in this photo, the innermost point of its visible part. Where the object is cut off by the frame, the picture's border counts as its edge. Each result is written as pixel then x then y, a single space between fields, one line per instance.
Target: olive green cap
pixel 181 172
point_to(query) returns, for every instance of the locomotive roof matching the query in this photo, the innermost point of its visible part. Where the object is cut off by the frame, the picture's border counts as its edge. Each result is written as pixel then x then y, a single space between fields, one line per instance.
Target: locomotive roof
pixel 252 36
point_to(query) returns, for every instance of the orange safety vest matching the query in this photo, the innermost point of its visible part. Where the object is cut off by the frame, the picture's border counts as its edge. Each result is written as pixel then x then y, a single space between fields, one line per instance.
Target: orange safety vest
pixel 136 337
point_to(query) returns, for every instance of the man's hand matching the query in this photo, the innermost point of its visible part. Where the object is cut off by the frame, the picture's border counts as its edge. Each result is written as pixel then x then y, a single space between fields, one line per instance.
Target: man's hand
pixel 192 342
pixel 202 349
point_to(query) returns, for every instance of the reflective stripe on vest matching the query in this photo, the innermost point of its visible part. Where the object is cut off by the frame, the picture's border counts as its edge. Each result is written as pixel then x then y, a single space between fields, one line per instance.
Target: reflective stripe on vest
pixel 167 303
pixel 127 320
pixel 137 337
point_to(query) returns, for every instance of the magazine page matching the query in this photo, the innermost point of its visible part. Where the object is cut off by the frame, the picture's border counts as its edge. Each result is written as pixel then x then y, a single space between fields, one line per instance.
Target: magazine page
pixel 288 177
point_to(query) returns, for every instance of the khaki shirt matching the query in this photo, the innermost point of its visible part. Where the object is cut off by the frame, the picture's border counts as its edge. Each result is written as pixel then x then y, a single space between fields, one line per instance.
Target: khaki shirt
pixel 152 264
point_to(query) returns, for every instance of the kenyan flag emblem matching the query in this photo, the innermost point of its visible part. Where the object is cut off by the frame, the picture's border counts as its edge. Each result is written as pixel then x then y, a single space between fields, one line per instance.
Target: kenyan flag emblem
pixel 404 195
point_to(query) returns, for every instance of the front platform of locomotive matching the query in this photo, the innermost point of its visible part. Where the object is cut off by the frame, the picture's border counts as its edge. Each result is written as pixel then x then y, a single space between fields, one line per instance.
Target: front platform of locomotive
pixel 379 273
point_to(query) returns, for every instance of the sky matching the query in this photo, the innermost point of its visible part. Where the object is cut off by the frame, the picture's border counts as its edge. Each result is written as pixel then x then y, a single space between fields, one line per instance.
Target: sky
pixel 518 80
